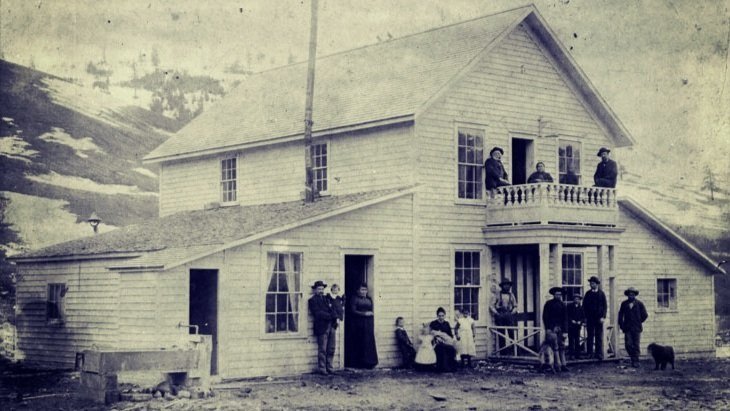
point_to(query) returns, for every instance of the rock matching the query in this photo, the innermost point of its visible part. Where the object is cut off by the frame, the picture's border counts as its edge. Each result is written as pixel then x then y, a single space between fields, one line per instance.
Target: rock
pixel 304 384
pixel 164 387
pixel 438 397
pixel 517 381
pixel 184 394
pixel 269 379
pixel 135 396
pixel 157 394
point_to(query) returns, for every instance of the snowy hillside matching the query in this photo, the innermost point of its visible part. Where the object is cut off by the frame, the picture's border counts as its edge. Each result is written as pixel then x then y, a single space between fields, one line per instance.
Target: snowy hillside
pixel 67 151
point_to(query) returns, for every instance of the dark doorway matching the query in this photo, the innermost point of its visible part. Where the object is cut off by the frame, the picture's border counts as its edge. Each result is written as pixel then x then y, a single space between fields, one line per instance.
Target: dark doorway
pixel 204 308
pixel 521 265
pixel 358 270
pixel 521 160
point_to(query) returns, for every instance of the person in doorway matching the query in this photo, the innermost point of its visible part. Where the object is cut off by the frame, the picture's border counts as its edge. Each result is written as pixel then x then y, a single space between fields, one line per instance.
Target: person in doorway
pixel 504 309
pixel 631 316
pixel 555 319
pixel 495 175
pixel 365 353
pixel 324 316
pixel 606 171
pixel 444 342
pixel 540 176
pixel 570 177
pixel 576 318
pixel 595 308
pixel 405 346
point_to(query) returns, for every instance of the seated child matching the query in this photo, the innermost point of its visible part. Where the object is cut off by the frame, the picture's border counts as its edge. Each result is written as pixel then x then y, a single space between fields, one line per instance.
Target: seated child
pixel 425 356
pixel 407 352
pixel 549 357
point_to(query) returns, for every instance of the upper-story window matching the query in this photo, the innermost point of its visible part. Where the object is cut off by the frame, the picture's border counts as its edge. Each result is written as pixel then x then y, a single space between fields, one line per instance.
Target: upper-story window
pixel 228 180
pixel 319 167
pixel 569 162
pixel 470 159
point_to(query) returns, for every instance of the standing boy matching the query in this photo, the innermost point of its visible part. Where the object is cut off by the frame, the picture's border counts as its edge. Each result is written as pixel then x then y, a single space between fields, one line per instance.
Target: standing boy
pixel 576 318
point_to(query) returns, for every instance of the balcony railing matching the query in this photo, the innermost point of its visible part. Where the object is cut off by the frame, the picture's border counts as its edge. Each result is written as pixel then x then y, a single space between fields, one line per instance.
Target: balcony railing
pixel 545 203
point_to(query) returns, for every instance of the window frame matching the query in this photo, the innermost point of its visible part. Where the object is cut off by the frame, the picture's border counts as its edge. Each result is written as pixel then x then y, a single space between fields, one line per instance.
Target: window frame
pixel 579 172
pixel 328 158
pixel 480 166
pixel 481 301
pixel 59 301
pixel 669 308
pixel 302 324
pixel 580 283
pixel 222 181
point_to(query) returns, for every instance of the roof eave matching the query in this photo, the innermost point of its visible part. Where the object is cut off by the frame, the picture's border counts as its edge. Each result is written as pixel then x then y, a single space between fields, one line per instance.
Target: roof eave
pixel 604 114
pixel 72 257
pixel 405 118
pixel 653 221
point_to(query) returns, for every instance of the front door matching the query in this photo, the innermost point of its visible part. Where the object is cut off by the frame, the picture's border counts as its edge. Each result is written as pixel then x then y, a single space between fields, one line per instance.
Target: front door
pixel 521 160
pixel 521 265
pixel 204 308
pixel 358 270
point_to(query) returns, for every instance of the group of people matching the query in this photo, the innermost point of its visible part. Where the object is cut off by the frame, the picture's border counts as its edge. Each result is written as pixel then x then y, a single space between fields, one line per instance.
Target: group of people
pixel 495 175
pixel 328 312
pixel 441 348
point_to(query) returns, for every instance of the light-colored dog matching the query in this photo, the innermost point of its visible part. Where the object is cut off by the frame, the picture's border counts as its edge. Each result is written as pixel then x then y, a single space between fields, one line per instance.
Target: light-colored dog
pixel 549 357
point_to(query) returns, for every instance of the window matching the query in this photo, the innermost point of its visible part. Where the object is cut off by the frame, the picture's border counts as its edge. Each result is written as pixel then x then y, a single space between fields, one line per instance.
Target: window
pixel 467 281
pixel 54 302
pixel 569 158
pixel 284 292
pixel 228 180
pixel 470 159
pixel 666 294
pixel 319 167
pixel 572 275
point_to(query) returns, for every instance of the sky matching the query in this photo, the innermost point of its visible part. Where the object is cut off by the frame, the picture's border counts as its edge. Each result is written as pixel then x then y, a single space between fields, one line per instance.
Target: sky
pixel 660 64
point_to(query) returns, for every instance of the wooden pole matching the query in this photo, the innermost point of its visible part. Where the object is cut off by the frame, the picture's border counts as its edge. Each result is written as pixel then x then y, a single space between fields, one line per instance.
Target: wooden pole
pixel 310 190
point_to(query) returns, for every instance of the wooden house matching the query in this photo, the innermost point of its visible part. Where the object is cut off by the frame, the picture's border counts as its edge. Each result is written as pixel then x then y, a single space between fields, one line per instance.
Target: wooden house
pixel 401 131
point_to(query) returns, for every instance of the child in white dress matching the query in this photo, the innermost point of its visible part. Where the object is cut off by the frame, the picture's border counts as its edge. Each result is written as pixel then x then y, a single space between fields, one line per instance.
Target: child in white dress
pixel 426 355
pixel 465 347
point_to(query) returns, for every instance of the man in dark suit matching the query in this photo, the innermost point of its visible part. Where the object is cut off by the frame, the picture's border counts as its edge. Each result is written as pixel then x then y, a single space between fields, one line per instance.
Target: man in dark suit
pixel 555 319
pixel 606 170
pixel 595 308
pixel 494 175
pixel 630 317
pixel 324 316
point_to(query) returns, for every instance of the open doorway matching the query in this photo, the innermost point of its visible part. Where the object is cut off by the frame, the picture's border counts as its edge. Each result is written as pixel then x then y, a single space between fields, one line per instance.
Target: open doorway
pixel 204 308
pixel 358 270
pixel 522 159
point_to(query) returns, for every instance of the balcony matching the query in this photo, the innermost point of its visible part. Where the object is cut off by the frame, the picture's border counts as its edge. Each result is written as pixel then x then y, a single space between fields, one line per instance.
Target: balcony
pixel 550 203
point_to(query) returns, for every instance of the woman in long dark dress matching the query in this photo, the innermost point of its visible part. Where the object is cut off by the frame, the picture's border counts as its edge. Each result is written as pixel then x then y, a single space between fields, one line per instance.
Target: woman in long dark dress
pixel 445 350
pixel 364 351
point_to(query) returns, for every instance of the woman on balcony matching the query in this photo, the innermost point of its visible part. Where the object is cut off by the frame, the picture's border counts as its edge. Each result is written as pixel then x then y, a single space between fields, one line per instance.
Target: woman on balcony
pixel 540 176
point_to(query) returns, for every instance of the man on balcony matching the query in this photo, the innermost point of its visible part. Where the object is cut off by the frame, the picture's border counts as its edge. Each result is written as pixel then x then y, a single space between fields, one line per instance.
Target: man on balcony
pixel 495 175
pixel 540 176
pixel 606 171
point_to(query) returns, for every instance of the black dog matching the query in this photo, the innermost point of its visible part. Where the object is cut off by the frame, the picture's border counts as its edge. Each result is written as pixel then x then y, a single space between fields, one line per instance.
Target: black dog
pixel 662 354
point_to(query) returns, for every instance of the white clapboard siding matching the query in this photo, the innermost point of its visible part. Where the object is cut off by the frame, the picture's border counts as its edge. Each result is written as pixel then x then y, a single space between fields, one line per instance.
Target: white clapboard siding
pixel 644 256
pixel 357 162
pixel 90 307
pixel 505 94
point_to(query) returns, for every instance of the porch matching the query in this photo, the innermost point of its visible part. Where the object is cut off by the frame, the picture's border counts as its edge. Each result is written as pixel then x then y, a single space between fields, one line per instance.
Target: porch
pixel 548 203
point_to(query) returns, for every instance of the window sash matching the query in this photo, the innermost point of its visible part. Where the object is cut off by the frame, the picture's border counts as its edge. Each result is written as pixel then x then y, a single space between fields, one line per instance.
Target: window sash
pixel 54 301
pixel 572 275
pixel 319 167
pixel 667 294
pixel 467 281
pixel 228 180
pixel 284 293
pixel 470 158
pixel 569 152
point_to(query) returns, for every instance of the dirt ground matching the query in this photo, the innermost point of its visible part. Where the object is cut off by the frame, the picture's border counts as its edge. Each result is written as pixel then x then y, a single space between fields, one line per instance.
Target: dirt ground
pixel 694 385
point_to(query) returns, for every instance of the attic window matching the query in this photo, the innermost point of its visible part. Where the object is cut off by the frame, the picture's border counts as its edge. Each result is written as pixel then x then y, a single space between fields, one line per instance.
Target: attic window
pixel 54 302
pixel 228 180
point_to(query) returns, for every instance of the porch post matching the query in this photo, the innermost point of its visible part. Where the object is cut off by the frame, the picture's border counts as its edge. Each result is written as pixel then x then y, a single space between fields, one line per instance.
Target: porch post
pixel 603 265
pixel 557 254
pixel 492 271
pixel 612 297
pixel 544 283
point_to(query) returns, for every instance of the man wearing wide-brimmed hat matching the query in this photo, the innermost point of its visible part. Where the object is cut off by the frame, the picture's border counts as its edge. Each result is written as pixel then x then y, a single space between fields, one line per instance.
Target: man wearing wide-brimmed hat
pixel 630 317
pixel 504 309
pixel 555 319
pixel 595 307
pixel 494 174
pixel 606 171
pixel 324 316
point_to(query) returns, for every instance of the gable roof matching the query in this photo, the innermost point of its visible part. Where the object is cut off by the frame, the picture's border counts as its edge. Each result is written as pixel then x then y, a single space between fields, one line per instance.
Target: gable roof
pixel 364 87
pixel 185 236
pixel 655 223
